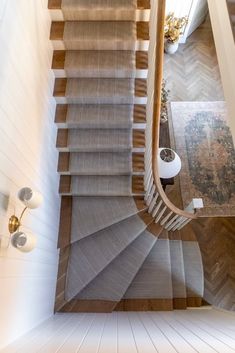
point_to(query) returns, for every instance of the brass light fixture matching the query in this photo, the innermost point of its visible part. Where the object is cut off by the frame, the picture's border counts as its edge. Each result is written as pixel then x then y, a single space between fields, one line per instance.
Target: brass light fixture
pixel 20 240
pixel 31 199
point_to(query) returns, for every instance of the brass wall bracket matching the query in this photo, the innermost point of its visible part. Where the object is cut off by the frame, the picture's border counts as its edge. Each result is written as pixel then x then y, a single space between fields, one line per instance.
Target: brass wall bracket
pixel 13 224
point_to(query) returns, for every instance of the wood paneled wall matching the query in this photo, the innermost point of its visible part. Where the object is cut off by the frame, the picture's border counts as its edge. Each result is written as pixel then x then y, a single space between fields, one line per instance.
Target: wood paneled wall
pixel 28 157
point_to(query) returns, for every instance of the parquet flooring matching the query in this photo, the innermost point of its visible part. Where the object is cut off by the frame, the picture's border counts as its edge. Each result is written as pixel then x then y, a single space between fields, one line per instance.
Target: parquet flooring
pixel 192 74
pixel 216 237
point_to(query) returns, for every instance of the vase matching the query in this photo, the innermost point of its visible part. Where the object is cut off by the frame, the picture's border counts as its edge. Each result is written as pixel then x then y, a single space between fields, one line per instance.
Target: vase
pixel 170 48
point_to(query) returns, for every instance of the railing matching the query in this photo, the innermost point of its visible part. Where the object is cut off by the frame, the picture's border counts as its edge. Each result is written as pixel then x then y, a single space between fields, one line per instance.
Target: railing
pixel 159 206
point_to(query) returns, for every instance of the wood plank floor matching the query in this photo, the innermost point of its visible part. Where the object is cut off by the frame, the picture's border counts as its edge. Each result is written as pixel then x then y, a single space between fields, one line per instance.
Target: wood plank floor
pixel 200 330
pixel 192 74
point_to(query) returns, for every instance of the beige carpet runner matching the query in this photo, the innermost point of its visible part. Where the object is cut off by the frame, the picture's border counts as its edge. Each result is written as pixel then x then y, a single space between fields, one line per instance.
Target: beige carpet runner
pixel 111 252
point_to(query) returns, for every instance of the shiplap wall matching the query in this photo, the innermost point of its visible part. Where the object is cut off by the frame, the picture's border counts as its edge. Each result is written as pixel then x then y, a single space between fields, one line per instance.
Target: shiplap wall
pixel 28 157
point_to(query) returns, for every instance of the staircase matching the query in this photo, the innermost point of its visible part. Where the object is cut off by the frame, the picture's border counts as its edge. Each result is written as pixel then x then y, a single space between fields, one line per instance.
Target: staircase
pixel 113 254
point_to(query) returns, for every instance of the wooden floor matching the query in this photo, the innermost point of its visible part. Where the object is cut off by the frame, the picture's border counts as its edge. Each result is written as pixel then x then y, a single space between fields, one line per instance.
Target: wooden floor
pixel 203 331
pixel 192 74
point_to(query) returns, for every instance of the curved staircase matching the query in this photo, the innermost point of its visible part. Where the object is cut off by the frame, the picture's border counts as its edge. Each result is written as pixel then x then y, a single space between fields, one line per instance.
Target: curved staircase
pixel 114 255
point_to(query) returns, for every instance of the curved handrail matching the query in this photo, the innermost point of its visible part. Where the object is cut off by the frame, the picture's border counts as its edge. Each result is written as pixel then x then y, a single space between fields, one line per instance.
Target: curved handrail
pixel 157 111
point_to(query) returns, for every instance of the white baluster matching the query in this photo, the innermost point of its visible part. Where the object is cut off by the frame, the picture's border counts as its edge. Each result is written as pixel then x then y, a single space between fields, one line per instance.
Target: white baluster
pixel 171 221
pixel 150 197
pixel 165 219
pixel 153 202
pixel 160 214
pixel 155 211
pixel 184 223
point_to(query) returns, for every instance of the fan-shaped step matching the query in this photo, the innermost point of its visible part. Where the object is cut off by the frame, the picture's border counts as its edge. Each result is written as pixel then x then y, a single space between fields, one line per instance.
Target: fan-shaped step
pixel 100 91
pixel 95 35
pixel 92 214
pixel 99 116
pixel 151 288
pixel 111 284
pixel 89 256
pixel 124 10
pixel 193 269
pixel 91 185
pixel 106 64
pixel 178 275
pixel 96 163
pixel 82 140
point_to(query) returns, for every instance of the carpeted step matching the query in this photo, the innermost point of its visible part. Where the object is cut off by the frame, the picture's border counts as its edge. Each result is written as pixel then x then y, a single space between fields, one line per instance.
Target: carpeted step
pixel 95 116
pixel 193 269
pixel 80 10
pixel 104 64
pixel 99 116
pixel 153 281
pixel 113 281
pixel 178 275
pixel 99 163
pixel 100 63
pixel 92 214
pixel 91 185
pixel 95 35
pixel 89 256
pixel 103 10
pixel 107 140
pixel 95 91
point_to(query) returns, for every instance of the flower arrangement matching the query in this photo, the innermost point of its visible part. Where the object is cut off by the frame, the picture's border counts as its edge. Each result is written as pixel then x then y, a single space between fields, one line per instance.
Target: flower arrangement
pixel 164 99
pixel 173 27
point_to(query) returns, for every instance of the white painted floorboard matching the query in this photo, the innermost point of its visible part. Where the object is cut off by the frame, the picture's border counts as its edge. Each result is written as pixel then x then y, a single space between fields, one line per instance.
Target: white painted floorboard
pixel 181 331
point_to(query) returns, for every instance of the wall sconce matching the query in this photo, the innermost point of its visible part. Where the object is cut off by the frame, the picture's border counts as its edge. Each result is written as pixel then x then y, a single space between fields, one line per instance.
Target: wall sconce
pixel 20 240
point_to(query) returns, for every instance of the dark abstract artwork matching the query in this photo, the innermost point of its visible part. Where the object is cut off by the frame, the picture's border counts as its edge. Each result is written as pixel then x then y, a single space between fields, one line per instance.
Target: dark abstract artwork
pixel 205 145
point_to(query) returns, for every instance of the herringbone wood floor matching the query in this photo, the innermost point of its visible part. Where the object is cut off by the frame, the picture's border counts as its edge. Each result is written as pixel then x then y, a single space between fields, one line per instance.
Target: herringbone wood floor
pixel 192 74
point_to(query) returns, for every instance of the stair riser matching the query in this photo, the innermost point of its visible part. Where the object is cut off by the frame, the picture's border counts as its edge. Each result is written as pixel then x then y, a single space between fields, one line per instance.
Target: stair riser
pixel 104 100
pixel 141 15
pixel 139 45
pixel 60 73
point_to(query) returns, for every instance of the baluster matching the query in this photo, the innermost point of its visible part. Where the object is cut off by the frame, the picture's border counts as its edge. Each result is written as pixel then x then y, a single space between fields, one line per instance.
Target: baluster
pixel 160 214
pixel 165 219
pixel 150 197
pixel 155 211
pixel 153 202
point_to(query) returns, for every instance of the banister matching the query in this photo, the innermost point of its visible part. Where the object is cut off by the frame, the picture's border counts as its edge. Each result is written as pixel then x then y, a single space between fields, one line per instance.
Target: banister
pixel 157 111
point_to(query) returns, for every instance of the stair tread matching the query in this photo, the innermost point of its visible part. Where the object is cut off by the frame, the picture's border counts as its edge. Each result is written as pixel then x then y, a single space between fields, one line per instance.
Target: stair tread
pixel 97 91
pixel 100 64
pixel 100 35
pixel 89 256
pixel 177 268
pixel 193 268
pixel 153 280
pixel 100 185
pixel 100 163
pixel 114 280
pixel 100 140
pixel 99 116
pixel 92 214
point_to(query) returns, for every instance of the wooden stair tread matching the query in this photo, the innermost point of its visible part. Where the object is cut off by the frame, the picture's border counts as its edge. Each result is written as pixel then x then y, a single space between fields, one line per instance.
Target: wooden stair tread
pixel 57 30
pixel 61 83
pixel 58 61
pixel 139 113
pixel 56 4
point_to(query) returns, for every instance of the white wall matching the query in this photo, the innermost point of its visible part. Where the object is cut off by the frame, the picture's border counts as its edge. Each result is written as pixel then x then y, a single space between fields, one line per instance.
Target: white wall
pixel 225 48
pixel 28 157
pixel 190 8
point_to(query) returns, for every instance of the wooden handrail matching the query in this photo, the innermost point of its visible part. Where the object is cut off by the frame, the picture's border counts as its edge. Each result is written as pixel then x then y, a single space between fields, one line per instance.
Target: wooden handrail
pixel 157 111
